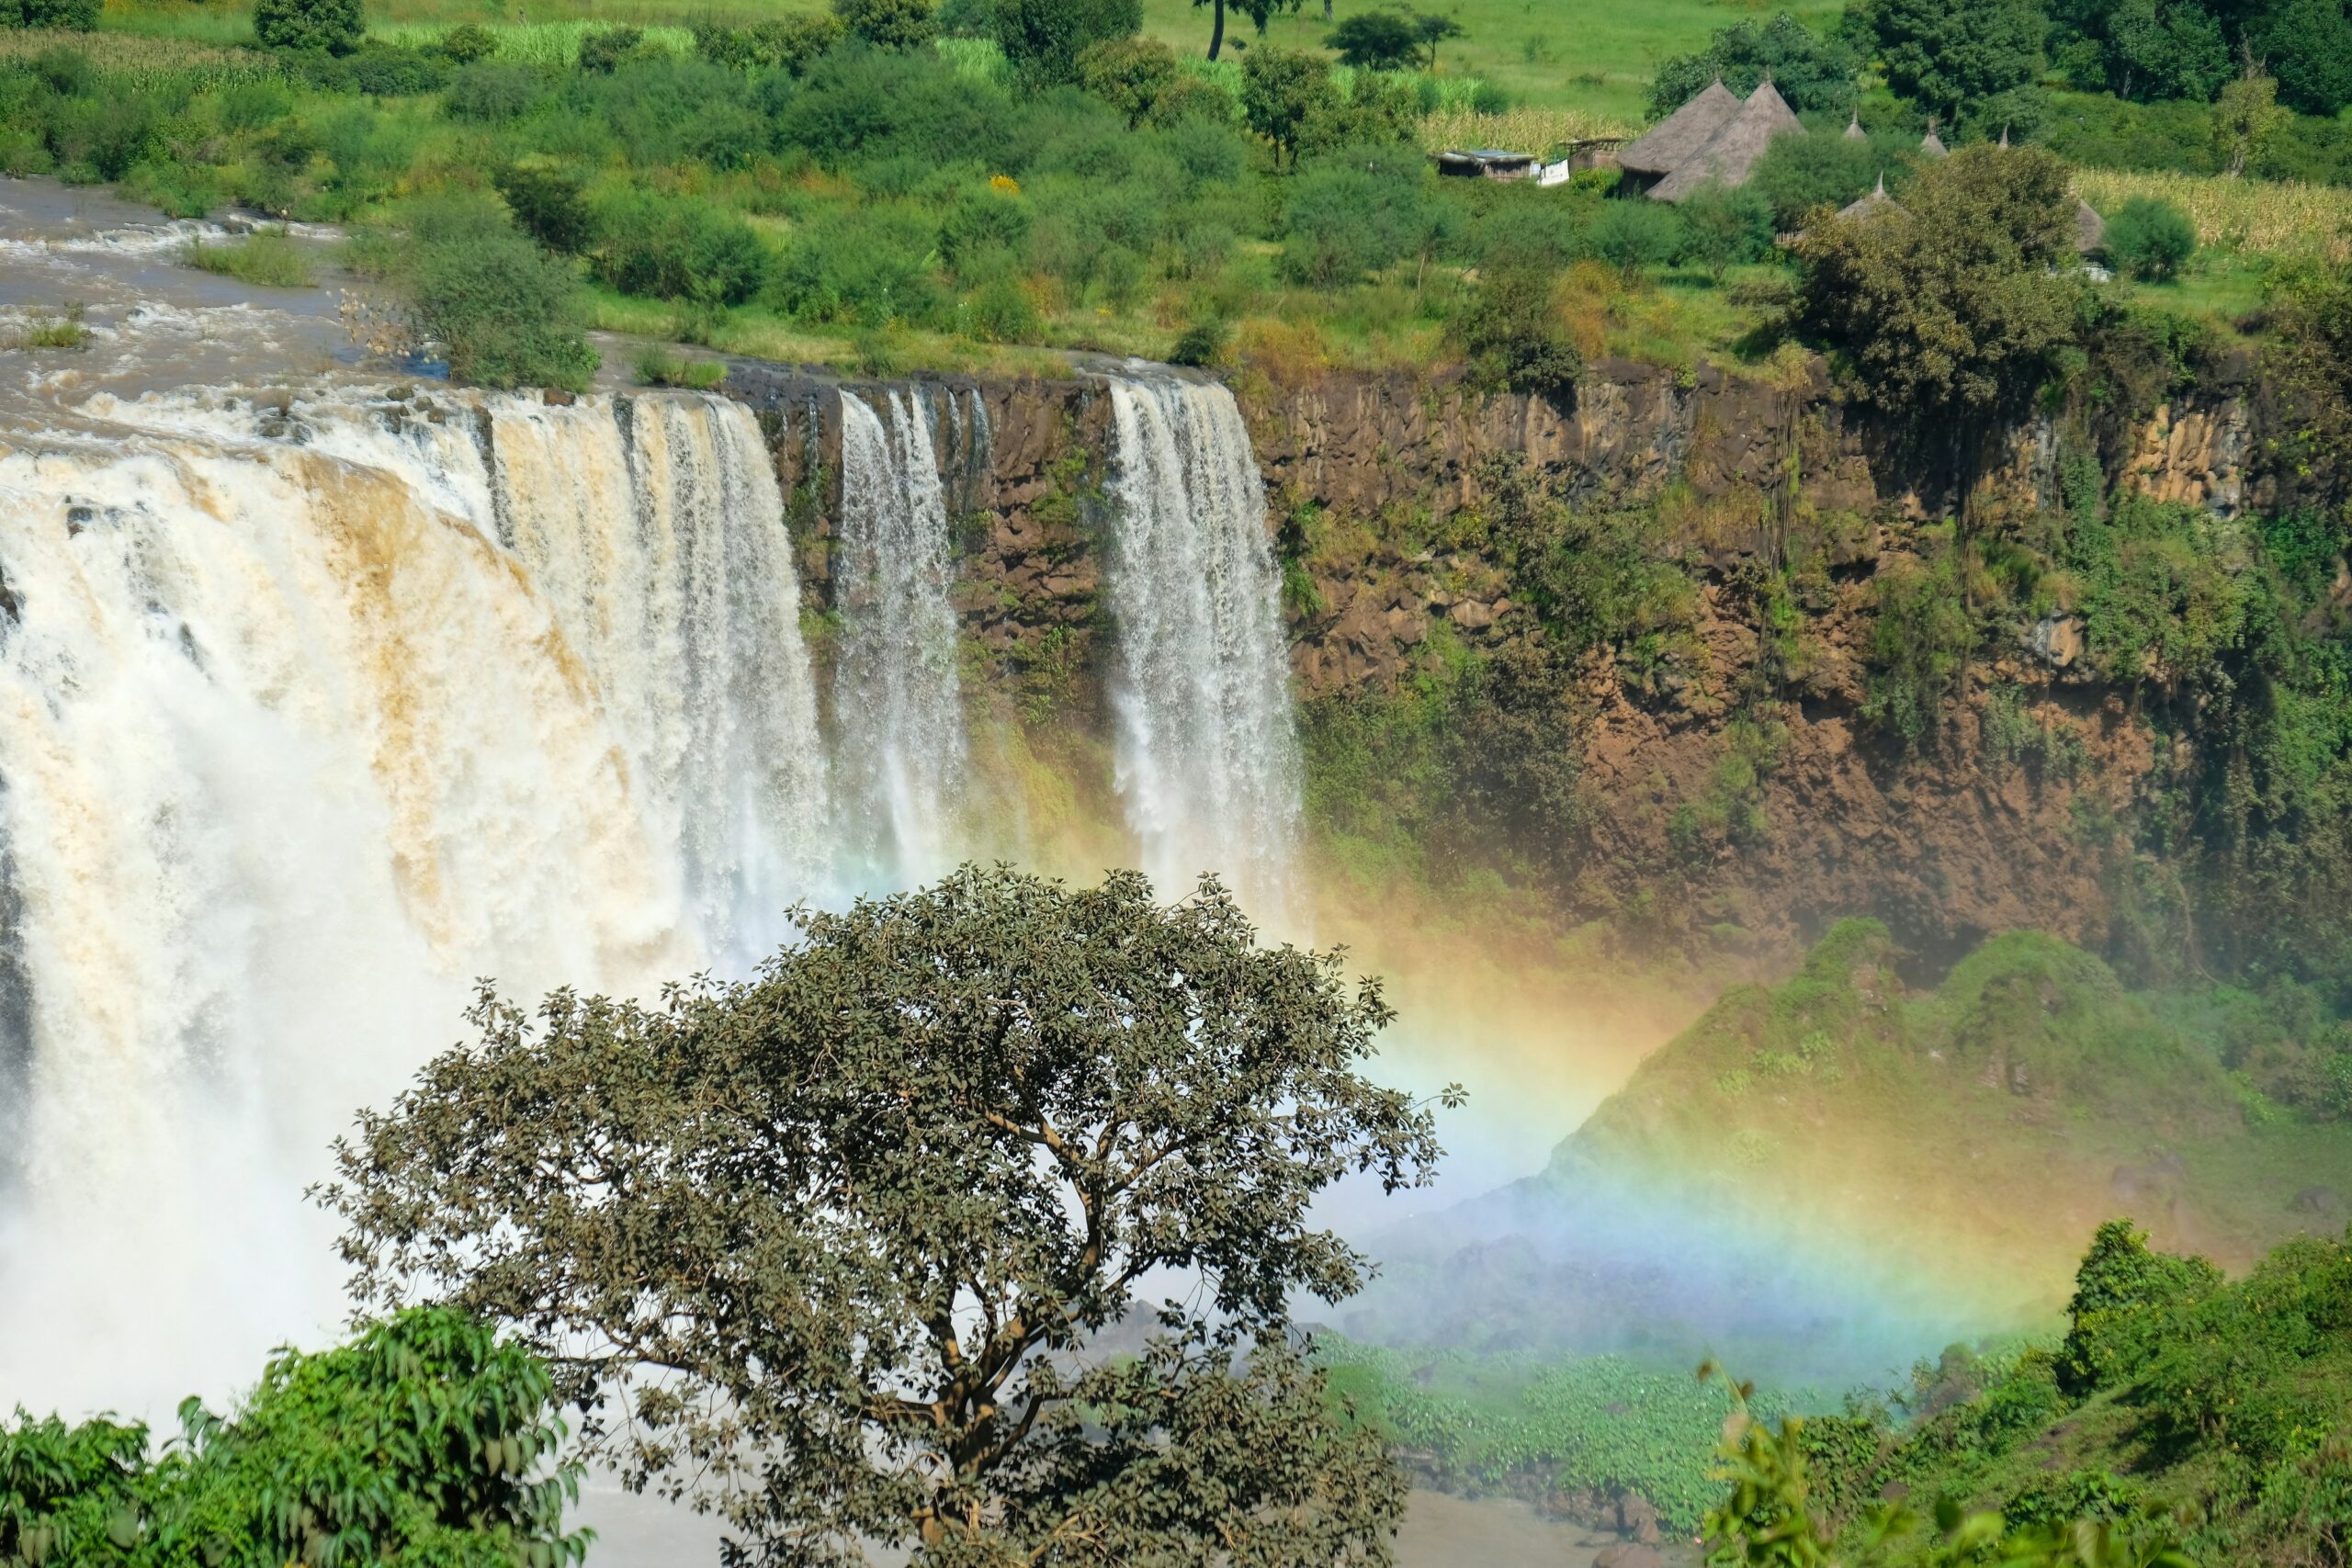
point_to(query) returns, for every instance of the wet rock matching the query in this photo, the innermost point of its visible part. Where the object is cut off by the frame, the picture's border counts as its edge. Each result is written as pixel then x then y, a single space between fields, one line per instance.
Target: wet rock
pixel 1637 1519
pixel 559 399
pixel 1629 1554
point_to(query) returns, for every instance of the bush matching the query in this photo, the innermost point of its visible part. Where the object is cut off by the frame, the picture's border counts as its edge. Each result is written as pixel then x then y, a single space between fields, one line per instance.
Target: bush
pixel 1042 38
pixel 1356 212
pixel 1513 337
pixel 2150 238
pixel 789 44
pixel 466 42
pixel 334 27
pixel 67 16
pixel 1726 227
pixel 385 71
pixel 494 91
pixel 500 307
pixel 1128 74
pixel 1200 343
pixel 270 261
pixel 547 203
pixel 1823 168
pixel 1637 233
pixel 601 52
pixel 889 24
pixel 681 248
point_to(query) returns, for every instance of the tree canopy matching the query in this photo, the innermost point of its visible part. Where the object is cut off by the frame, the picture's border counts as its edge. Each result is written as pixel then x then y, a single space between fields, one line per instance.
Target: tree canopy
pixel 1951 305
pixel 1259 13
pixel 824 1248
pixel 1967 62
pixel 1813 72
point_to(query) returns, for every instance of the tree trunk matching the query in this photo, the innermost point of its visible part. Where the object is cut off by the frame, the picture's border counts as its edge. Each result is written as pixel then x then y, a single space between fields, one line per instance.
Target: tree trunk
pixel 1217 33
pixel 1327 13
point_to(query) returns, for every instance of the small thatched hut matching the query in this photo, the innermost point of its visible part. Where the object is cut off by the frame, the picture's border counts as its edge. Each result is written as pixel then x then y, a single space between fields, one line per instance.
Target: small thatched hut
pixel 1854 131
pixel 1731 154
pixel 1871 204
pixel 1662 149
pixel 2090 228
pixel 1931 145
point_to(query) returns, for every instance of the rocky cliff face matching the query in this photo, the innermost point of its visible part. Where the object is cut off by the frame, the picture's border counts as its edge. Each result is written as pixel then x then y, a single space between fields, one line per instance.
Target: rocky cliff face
pixel 1386 473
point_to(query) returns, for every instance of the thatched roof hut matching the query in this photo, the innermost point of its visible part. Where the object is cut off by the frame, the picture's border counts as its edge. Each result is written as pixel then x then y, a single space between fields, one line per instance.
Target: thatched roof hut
pixel 1731 154
pixel 1854 131
pixel 2090 228
pixel 1931 145
pixel 1871 203
pixel 1665 145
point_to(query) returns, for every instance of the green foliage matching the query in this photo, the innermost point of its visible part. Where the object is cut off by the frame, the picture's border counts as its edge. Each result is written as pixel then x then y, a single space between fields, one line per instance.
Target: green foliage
pixel 1044 39
pixel 1725 227
pixel 269 261
pixel 604 51
pixel 1825 168
pixel 1129 74
pixel 2140 49
pixel 1967 61
pixel 2123 1293
pixel 333 26
pixel 2309 44
pixel 466 42
pixel 1921 639
pixel 927 1149
pixel 1636 233
pixel 422 1443
pixel 1376 40
pixel 1601 1423
pixel 1200 343
pixel 784 43
pixel 2159 598
pixel 66 15
pixel 1281 89
pixel 550 205
pixel 498 306
pixel 2150 238
pixel 1356 211
pixel 889 24
pixel 1952 310
pixel 1813 73
pixel 495 91
pixel 680 248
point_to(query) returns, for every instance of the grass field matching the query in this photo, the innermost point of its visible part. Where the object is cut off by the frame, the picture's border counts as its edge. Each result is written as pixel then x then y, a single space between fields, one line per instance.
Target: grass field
pixel 1593 56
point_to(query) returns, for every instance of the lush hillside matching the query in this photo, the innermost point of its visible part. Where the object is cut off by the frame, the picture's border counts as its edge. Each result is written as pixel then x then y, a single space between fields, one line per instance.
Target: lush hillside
pixel 1821 1176
pixel 2178 1407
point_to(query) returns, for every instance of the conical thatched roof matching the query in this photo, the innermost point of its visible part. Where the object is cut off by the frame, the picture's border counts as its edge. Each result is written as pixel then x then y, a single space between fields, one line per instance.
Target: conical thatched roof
pixel 1731 154
pixel 2090 228
pixel 1871 204
pixel 1664 147
pixel 1931 145
pixel 1854 131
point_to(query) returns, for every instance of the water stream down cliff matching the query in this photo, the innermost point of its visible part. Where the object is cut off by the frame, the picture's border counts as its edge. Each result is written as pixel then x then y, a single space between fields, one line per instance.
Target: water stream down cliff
pixel 314 708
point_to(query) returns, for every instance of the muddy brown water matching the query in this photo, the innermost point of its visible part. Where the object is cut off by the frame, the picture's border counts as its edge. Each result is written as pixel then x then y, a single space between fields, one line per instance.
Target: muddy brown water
pixel 1439 1531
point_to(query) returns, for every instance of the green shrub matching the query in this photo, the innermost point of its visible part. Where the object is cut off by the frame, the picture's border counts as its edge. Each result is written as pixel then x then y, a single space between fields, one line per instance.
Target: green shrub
pixel 466 42
pixel 1513 337
pixel 1355 213
pixel 1001 312
pixel 681 248
pixel 662 368
pixel 269 261
pixel 1128 74
pixel 67 16
pixel 500 307
pixel 334 27
pixel 1200 344
pixel 385 71
pixel 549 206
pixel 889 24
pixel 2150 238
pixel 788 43
pixel 1726 227
pixel 1822 168
pixel 1635 234
pixel 494 92
pixel 1044 39
pixel 2122 1294
pixel 602 51
pixel 1920 642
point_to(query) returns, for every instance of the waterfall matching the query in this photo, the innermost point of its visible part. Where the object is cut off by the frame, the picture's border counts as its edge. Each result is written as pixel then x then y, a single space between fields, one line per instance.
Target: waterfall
pixel 310 713
pixel 1207 752
pixel 896 692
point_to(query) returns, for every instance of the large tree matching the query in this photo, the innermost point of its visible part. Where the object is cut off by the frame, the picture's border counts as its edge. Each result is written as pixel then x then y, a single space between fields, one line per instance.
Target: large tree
pixel 1042 38
pixel 1948 311
pixel 1955 57
pixel 1812 72
pixel 825 1249
pixel 2140 49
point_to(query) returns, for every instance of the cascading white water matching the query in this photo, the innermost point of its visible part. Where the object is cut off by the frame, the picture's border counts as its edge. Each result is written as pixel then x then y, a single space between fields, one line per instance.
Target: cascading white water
pixel 1207 749
pixel 897 697
pixel 293 749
